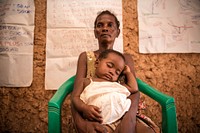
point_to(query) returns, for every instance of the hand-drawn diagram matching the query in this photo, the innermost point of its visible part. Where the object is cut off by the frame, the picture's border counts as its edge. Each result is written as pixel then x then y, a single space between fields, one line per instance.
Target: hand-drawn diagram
pixel 169 26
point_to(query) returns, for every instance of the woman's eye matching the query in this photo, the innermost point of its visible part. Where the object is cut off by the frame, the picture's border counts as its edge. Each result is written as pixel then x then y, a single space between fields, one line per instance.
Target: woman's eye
pixel 99 25
pixel 110 24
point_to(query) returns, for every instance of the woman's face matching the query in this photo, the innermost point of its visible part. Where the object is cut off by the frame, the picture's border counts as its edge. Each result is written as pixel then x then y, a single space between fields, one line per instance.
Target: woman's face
pixel 106 29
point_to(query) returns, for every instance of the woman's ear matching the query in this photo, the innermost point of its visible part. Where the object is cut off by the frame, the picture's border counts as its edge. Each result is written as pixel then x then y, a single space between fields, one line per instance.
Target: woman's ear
pixel 118 32
pixel 95 33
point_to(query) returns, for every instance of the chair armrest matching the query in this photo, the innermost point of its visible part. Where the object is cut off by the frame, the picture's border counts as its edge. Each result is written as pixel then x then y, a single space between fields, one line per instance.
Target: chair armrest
pixel 153 93
pixel 55 106
pixel 169 121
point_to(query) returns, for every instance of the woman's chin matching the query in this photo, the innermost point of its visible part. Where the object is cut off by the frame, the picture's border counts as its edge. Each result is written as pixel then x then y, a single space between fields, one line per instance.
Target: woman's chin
pixel 105 42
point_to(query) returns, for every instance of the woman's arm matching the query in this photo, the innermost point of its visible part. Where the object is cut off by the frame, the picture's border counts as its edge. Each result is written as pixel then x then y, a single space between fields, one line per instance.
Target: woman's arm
pixel 131 78
pixel 81 70
pixel 80 73
pixel 79 105
pixel 129 62
pixel 82 126
pixel 131 83
pixel 128 122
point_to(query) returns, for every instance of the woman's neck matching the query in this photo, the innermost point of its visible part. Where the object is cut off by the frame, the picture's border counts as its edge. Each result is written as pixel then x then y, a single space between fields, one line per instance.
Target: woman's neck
pixel 98 52
pixel 105 45
pixel 101 49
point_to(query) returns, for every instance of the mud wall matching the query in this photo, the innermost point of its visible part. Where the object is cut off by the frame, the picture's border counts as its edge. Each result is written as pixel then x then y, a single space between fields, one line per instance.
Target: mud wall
pixel 178 75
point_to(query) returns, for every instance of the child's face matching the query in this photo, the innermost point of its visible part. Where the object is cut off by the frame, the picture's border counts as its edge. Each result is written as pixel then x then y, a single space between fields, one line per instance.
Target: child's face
pixel 110 68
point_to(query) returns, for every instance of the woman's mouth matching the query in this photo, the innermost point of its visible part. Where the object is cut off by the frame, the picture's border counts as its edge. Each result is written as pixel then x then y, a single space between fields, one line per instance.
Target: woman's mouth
pixel 105 35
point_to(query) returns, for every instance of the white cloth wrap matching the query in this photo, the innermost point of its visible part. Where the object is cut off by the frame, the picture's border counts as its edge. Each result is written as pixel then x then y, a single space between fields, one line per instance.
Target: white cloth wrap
pixel 110 97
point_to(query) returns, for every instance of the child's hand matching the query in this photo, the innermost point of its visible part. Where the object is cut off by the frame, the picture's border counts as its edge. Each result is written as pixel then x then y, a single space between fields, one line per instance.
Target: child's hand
pixel 126 69
pixel 92 113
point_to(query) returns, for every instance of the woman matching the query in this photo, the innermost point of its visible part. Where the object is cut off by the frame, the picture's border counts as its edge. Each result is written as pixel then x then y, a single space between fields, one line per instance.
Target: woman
pixel 103 98
pixel 106 29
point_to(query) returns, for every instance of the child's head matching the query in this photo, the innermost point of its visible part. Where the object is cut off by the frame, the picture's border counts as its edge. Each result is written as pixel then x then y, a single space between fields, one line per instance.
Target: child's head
pixel 110 65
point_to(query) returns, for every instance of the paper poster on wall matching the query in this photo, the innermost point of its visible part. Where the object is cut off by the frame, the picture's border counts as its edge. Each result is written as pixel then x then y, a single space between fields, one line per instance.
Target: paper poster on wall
pixel 70 31
pixel 16 42
pixel 169 26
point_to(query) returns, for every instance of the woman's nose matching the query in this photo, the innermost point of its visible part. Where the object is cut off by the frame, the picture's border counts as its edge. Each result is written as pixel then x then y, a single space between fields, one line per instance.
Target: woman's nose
pixel 105 28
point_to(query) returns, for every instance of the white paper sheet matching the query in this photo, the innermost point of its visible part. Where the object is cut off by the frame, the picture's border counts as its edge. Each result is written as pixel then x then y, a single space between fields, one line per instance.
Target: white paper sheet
pixel 16 42
pixel 169 26
pixel 70 31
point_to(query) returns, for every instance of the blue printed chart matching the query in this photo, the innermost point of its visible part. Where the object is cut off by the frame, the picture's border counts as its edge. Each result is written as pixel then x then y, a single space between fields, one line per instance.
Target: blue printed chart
pixel 169 26
pixel 16 42
pixel 70 31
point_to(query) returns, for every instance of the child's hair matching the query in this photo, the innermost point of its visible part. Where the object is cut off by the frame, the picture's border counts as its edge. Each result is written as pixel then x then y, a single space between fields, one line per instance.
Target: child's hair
pixel 105 53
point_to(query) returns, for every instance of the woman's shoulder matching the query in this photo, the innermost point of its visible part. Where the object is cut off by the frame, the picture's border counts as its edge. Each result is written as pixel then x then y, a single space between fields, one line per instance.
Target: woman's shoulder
pixel 129 61
pixel 127 55
pixel 128 58
pixel 82 58
pixel 86 54
pixel 82 54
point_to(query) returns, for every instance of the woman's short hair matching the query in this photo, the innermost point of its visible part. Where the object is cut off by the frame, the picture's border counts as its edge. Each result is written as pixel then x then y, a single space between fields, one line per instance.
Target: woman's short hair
pixel 108 13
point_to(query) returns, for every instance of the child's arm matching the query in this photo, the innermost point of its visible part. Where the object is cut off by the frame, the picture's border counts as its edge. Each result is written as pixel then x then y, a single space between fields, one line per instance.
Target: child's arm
pixel 90 112
pixel 131 82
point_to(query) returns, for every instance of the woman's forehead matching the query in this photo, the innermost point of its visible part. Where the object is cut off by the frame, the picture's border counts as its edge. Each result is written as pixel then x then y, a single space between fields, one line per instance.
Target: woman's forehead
pixel 106 17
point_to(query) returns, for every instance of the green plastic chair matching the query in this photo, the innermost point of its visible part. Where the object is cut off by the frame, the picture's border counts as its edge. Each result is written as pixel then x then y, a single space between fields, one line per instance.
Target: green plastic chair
pixel 169 121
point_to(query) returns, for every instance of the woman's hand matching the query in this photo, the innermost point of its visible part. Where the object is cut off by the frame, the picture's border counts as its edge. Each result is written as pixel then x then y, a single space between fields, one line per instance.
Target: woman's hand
pixel 92 113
